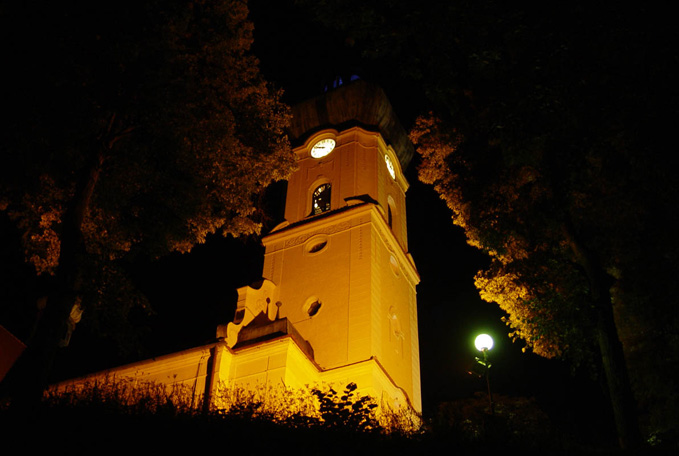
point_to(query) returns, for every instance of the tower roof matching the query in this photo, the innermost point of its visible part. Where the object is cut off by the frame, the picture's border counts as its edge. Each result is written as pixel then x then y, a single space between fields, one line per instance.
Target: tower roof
pixel 358 103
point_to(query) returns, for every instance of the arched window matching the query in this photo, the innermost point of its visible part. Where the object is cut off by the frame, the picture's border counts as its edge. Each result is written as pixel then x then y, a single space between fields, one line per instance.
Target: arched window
pixel 320 200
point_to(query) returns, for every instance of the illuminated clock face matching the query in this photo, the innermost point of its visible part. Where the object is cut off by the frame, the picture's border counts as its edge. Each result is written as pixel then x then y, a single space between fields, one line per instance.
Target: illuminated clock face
pixel 323 148
pixel 390 166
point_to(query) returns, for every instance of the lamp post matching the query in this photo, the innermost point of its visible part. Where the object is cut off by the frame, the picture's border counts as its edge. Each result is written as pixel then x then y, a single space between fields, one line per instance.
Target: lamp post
pixel 484 343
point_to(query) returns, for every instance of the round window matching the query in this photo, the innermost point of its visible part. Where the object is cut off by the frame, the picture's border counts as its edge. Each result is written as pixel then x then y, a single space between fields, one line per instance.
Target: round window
pixel 312 306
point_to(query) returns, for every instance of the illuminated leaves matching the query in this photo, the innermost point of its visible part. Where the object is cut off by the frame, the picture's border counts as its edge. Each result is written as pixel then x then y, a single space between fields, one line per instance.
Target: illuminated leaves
pixel 39 223
pixel 506 209
pixel 544 305
pixel 439 164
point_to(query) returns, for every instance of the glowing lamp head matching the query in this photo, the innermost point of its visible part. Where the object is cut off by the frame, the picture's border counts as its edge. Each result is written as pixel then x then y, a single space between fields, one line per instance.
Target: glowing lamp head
pixel 483 342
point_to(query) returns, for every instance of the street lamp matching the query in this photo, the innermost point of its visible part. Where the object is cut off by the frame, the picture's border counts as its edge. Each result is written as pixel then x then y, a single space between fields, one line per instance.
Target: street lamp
pixel 484 343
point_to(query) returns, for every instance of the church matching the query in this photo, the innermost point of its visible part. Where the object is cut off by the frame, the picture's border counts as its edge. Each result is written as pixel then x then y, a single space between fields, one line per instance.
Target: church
pixel 336 303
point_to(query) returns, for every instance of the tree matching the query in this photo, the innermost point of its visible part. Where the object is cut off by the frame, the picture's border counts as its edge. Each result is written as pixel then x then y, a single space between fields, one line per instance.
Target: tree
pixel 546 140
pixel 553 288
pixel 135 130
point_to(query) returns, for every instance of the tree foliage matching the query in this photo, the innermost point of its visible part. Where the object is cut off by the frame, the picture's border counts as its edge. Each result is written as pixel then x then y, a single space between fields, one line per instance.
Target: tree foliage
pixel 532 276
pixel 134 130
pixel 564 182
pixel 347 411
pixel 201 130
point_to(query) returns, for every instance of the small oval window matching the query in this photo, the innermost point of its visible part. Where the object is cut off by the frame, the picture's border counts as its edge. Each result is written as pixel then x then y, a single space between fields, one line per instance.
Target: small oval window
pixel 316 244
pixel 312 306
pixel 317 247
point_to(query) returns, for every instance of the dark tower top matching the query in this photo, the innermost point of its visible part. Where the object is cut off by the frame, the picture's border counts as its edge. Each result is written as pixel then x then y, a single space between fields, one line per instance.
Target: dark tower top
pixel 358 103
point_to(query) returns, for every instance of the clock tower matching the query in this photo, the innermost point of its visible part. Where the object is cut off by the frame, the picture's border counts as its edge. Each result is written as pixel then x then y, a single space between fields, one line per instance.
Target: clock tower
pixel 337 270
pixel 336 303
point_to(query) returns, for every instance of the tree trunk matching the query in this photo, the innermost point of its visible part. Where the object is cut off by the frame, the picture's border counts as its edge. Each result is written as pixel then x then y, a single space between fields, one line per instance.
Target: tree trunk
pixel 618 385
pixel 30 376
pixel 617 379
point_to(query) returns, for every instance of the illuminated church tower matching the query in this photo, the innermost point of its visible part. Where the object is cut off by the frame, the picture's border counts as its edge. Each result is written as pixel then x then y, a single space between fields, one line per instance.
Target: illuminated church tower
pixel 336 303
pixel 338 269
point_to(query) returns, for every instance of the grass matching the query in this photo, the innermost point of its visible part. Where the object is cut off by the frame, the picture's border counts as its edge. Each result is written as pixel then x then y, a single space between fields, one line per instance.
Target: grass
pixel 131 417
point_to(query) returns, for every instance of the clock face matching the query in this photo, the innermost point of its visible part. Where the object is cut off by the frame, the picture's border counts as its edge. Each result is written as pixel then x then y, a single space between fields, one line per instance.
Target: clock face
pixel 322 148
pixel 390 166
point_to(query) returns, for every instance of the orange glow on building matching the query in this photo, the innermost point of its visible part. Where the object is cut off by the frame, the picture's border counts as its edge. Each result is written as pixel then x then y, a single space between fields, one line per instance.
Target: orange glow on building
pixel 337 300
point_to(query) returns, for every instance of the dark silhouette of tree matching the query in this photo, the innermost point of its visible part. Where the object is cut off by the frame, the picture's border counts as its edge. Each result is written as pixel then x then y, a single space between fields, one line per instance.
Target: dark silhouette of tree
pixel 134 130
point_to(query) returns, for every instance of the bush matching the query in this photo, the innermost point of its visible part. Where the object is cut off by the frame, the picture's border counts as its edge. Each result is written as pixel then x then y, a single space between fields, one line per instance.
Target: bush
pixel 517 422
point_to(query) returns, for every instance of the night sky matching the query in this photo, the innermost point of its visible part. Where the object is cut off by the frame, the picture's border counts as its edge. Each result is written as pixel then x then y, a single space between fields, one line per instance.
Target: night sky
pixel 193 293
